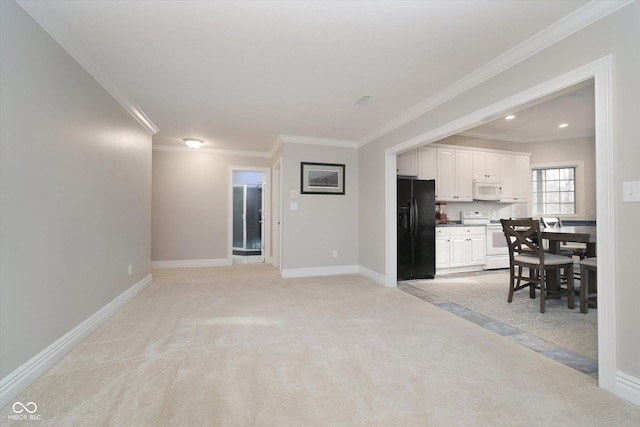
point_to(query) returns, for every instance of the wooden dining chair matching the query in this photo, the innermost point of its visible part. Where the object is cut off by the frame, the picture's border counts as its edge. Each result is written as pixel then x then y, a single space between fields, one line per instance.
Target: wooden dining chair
pixel 525 252
pixel 587 288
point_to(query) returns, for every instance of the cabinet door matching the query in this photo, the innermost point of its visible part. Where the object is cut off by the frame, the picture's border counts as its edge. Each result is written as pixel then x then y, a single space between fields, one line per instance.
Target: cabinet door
pixel 445 173
pixel 507 170
pixel 407 163
pixel 522 179
pixel 486 165
pixel 493 166
pixel 479 165
pixel 477 250
pixel 442 252
pixel 427 164
pixel 458 251
pixel 463 191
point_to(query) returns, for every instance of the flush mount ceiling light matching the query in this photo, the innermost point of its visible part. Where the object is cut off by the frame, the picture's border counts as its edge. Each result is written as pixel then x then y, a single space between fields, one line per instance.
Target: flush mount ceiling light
pixel 563 125
pixel 510 117
pixel 192 142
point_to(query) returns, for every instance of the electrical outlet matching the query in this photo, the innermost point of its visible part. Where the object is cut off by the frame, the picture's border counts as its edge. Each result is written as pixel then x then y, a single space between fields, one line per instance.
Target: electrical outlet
pixel 130 269
pixel 335 253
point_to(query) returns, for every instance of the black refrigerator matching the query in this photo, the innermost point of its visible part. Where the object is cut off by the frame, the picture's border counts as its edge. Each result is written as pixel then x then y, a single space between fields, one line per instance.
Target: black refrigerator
pixel 416 229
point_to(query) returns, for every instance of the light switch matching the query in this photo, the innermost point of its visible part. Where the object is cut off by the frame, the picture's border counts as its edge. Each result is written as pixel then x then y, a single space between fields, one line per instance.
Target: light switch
pixel 293 194
pixel 631 192
pixel 294 206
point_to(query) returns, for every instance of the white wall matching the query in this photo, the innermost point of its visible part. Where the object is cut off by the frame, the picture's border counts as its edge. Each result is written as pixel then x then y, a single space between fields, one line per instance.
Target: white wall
pixel 75 199
pixel 618 35
pixel 322 222
pixel 190 214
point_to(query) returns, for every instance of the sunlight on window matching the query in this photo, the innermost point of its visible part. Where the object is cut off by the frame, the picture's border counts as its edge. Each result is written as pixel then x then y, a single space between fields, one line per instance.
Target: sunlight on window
pixel 554 191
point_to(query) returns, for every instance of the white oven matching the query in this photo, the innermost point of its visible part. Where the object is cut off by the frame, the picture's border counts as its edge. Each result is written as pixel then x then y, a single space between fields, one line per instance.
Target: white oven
pixel 497 250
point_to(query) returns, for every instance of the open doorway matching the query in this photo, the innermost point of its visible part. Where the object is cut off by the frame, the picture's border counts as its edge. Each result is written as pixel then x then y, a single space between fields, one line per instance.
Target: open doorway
pixel 248 234
pixel 600 71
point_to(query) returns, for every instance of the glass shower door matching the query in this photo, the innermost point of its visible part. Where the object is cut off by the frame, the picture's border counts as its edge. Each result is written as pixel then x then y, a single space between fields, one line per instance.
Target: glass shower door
pixel 247 219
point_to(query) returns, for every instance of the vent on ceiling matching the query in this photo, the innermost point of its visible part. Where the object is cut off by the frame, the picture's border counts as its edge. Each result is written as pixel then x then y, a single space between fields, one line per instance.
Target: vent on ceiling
pixel 364 100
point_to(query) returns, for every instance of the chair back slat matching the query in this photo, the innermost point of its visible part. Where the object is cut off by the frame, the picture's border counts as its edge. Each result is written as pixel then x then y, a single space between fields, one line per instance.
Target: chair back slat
pixel 523 237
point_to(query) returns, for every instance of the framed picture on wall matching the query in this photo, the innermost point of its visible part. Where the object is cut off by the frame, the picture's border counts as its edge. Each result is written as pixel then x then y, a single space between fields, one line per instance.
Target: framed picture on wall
pixel 321 178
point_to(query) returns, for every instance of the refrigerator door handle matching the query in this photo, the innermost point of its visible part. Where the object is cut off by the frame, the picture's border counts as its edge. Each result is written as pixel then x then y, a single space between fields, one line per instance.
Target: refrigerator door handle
pixel 414 216
pixel 410 216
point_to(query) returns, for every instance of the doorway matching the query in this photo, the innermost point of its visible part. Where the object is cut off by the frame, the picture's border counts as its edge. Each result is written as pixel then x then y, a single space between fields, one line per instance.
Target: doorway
pixel 248 217
pixel 601 72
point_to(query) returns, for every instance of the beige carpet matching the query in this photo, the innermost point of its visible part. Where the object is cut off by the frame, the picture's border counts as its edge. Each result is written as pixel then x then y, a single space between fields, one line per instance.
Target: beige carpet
pixel 486 293
pixel 238 346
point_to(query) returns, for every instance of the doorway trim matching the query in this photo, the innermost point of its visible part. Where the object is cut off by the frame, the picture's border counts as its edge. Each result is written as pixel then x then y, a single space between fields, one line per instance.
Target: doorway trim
pixel 276 225
pixel 602 73
pixel 266 197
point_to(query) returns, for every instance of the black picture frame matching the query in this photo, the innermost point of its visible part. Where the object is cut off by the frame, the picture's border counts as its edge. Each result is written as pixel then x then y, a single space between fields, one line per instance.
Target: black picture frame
pixel 322 178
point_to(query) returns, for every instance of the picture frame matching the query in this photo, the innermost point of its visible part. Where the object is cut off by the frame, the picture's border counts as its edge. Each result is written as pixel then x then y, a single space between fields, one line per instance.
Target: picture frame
pixel 322 178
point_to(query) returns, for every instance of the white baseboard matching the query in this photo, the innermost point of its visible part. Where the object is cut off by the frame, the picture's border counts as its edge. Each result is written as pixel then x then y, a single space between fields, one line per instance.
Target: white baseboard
pixel 373 275
pixel 191 263
pixel 628 388
pixel 18 380
pixel 319 271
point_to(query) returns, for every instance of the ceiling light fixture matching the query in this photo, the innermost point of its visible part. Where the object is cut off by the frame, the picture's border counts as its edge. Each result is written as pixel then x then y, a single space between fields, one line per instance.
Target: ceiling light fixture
pixel 192 142
pixel 563 125
pixel 510 117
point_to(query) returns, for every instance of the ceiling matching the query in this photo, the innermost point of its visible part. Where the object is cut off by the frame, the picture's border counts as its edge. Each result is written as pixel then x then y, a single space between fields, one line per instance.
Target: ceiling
pixel 238 74
pixel 539 120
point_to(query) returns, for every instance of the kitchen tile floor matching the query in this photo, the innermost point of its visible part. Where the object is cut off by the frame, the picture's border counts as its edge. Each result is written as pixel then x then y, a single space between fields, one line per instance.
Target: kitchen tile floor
pixel 549 349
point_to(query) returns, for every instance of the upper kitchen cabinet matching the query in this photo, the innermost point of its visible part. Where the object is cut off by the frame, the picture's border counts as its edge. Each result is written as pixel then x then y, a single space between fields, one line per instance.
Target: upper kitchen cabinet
pixel 427 163
pixel 486 166
pixel 407 163
pixel 454 175
pixel 515 177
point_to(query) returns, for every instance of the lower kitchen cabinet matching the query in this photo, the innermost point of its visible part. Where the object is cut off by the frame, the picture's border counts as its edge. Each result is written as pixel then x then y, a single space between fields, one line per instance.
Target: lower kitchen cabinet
pixel 458 248
pixel 443 248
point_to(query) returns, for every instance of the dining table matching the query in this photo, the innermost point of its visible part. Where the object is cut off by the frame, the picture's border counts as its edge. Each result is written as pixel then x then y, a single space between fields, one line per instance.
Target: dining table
pixel 572 233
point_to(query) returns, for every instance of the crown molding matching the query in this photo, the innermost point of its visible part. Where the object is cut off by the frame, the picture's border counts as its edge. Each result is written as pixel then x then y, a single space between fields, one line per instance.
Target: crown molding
pixel 293 139
pixel 275 147
pixel 44 13
pixel 570 24
pixel 242 153
pixel 480 135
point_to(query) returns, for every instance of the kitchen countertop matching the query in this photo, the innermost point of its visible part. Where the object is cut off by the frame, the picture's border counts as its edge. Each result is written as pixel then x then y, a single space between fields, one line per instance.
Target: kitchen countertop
pixel 458 224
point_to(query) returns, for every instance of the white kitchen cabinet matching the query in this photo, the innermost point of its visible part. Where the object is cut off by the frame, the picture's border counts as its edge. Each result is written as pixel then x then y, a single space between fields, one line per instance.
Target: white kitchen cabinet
pixel 407 163
pixel 460 247
pixel 522 181
pixel 486 166
pixel 454 175
pixel 516 178
pixel 468 246
pixel 442 248
pixel 427 163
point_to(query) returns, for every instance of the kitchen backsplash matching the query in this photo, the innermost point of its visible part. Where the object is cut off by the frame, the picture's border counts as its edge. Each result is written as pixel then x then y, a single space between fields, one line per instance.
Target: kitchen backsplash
pixel 496 210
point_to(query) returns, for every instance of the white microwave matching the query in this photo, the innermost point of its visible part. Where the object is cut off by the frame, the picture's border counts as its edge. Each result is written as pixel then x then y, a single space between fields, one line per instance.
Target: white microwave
pixel 483 190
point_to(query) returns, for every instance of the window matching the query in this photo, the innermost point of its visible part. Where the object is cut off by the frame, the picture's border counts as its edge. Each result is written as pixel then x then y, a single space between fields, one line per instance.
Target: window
pixel 554 191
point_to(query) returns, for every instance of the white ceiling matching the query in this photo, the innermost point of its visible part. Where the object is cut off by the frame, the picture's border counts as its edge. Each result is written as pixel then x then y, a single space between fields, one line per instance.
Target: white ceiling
pixel 239 73
pixel 539 120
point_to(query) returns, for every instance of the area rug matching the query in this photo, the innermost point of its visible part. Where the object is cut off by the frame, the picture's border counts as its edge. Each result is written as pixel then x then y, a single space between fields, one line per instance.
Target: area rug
pixel 486 293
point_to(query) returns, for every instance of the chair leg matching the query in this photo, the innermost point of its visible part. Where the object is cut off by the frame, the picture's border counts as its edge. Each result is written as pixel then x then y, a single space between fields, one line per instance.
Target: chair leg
pixel 570 287
pixel 543 289
pixel 532 288
pixel 584 289
pixel 512 283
